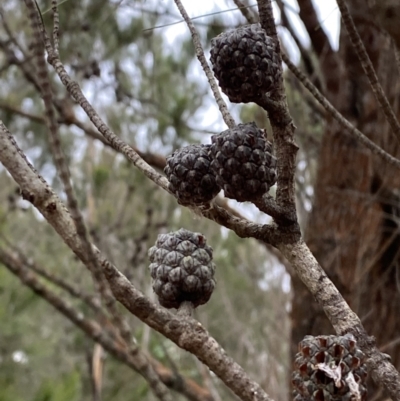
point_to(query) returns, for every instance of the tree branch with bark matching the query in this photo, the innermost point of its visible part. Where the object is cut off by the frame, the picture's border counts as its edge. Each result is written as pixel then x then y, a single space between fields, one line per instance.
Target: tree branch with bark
pixel 283 232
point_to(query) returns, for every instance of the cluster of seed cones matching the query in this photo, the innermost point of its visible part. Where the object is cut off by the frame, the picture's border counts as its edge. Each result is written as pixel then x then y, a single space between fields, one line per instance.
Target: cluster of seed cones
pixel 239 160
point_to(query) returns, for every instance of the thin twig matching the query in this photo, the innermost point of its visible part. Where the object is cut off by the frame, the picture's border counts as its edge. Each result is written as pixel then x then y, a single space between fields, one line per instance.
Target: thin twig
pixel 369 69
pixel 246 12
pixel 267 18
pixel 375 149
pixel 56 26
pixel 114 141
pixel 90 300
pixel 229 121
pixel 62 166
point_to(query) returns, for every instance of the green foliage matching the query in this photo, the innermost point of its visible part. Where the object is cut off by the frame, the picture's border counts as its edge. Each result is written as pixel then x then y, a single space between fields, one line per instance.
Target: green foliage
pixel 66 389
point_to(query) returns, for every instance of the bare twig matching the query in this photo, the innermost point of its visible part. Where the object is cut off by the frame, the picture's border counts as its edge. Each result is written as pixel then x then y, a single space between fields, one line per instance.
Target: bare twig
pixel 62 166
pixel 114 141
pixel 246 12
pixel 56 25
pixel 369 69
pixel 230 122
pixel 338 116
pixel 267 18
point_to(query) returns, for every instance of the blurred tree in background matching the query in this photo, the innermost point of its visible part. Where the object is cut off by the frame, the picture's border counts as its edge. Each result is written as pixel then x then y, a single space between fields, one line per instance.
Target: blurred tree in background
pixel 145 82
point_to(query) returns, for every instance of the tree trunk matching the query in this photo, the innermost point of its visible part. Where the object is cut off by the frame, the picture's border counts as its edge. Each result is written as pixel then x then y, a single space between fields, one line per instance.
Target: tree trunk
pixel 353 229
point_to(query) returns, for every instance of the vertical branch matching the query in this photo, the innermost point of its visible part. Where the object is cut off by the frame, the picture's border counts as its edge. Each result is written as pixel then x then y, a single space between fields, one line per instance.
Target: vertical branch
pixel 245 10
pixel 229 121
pixel 282 126
pixel 267 18
pixel 56 25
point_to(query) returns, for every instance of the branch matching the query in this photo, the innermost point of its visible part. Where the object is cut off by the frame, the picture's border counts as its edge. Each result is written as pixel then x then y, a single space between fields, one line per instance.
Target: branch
pixel 172 380
pixel 342 318
pixel 375 149
pixel 305 55
pixel 282 127
pixel 76 93
pixel 187 334
pixel 369 69
pixel 62 166
pixel 246 12
pixel 229 121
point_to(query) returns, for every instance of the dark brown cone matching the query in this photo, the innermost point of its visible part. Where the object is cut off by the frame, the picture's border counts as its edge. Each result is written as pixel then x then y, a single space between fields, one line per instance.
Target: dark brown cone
pixel 245 63
pixel 243 163
pixel 182 269
pixel 189 175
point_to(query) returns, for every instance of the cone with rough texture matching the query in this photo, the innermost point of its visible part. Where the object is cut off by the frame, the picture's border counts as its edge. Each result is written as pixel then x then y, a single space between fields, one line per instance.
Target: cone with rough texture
pixel 189 175
pixel 242 162
pixel 329 368
pixel 245 63
pixel 182 269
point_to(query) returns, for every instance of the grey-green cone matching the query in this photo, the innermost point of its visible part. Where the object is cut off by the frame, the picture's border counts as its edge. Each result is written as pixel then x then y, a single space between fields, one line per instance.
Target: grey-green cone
pixel 245 63
pixel 329 368
pixel 243 163
pixel 182 268
pixel 189 175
